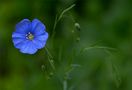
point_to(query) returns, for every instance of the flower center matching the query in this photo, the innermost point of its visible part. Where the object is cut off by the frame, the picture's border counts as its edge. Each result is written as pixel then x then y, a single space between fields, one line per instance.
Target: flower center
pixel 30 36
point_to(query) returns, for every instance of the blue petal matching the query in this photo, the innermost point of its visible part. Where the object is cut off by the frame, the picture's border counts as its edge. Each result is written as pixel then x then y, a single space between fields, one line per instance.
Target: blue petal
pixel 23 26
pixel 28 48
pixel 38 27
pixel 42 37
pixel 18 38
pixel 40 41
pixel 18 35
pixel 18 43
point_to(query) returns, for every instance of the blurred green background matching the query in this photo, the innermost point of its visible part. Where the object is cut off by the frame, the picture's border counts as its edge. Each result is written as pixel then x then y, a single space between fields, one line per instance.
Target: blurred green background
pixel 105 23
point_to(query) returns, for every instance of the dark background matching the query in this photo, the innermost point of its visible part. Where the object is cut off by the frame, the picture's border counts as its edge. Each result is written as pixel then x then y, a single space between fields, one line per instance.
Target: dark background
pixel 103 23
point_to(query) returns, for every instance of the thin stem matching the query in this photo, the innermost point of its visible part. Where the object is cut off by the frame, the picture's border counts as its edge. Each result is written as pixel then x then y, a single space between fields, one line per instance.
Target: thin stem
pixel 58 18
pixel 50 58
pixel 54 27
pixel 115 71
pixel 64 11
pixel 96 47
pixel 65 85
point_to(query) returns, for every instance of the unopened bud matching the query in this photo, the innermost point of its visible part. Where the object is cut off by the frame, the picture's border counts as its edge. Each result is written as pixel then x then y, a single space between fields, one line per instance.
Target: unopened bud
pixel 78 39
pixel 43 67
pixel 51 73
pixel 77 26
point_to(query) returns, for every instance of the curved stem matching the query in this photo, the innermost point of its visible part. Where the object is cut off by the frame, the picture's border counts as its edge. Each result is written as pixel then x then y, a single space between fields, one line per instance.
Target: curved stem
pixel 58 18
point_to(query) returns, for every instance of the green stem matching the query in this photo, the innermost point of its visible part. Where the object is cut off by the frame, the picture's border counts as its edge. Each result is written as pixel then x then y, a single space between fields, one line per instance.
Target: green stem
pixel 58 18
pixel 65 85
pixel 54 27
pixel 50 58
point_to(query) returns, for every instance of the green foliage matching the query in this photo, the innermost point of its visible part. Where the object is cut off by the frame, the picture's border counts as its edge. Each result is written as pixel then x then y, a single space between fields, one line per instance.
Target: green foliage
pixel 70 61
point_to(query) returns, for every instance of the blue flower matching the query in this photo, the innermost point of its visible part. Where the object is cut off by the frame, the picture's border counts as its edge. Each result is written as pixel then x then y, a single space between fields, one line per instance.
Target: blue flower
pixel 29 36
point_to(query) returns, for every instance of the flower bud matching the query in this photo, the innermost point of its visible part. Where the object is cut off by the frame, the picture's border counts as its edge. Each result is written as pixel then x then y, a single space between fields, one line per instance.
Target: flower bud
pixel 77 26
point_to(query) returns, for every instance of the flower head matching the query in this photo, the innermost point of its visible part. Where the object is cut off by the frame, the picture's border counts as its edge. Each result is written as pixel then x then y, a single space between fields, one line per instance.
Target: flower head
pixel 29 36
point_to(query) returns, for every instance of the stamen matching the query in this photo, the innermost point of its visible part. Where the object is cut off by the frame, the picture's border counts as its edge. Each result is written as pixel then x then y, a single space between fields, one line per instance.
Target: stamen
pixel 29 36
